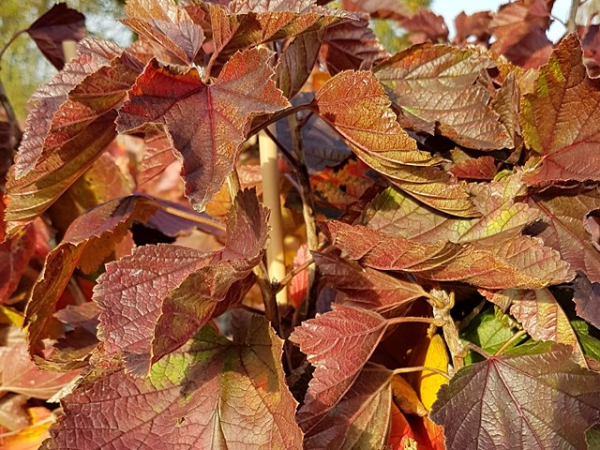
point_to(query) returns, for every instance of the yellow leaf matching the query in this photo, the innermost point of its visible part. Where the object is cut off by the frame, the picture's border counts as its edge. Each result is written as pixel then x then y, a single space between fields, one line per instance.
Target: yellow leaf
pixel 430 383
pixel 31 437
pixel 10 316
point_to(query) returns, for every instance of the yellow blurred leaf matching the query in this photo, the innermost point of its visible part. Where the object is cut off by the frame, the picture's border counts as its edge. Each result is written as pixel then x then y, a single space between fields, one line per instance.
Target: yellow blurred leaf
pixel 31 437
pixel 10 316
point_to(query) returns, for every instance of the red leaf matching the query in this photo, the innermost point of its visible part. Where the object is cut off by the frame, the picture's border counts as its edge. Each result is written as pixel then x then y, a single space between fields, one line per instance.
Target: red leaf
pixel 166 25
pixel 413 79
pixel 298 287
pixel 60 23
pixel 511 402
pixel 477 25
pixel 379 9
pixel 191 110
pixel 425 26
pixel 15 254
pixel 209 394
pixel 87 242
pixel 482 168
pixel 565 210
pixel 338 344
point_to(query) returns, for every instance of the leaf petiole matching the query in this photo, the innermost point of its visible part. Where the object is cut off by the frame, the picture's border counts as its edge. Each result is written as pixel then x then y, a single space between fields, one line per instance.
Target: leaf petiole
pixel 402 370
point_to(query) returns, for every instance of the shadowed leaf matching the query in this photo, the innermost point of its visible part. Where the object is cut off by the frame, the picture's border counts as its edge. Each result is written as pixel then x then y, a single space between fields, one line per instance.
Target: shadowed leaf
pixel 489 405
pixel 88 241
pixel 155 299
pixel 351 46
pixel 364 287
pixel 361 418
pixel 60 23
pixel 586 296
pixel 338 344
pixel 565 211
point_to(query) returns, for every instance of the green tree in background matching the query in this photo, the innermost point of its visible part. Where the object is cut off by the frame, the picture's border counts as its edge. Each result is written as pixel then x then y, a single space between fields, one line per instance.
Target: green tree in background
pixel 23 68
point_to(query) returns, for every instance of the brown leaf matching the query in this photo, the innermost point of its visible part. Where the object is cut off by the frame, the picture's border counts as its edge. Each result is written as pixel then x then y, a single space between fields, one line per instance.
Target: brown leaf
pixel 166 25
pixel 425 26
pixel 477 25
pixel 557 124
pixel 586 296
pixel 439 87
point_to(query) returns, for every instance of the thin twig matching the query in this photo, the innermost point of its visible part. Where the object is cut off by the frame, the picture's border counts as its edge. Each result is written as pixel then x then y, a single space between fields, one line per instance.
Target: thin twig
pixel 189 215
pixel 510 342
pixel 12 39
pixel 479 350
pixel 572 22
pixel 421 369
pixel 291 274
pixel 431 320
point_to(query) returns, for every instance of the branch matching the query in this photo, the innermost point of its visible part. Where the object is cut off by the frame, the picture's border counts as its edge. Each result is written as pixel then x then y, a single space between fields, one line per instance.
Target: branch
pixel 421 369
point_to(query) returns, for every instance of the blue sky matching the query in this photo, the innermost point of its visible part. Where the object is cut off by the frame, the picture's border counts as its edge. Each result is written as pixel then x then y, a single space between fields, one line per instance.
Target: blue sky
pixel 451 8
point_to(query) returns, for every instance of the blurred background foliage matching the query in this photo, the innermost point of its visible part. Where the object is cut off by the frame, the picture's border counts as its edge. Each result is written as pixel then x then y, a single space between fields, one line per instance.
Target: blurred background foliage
pixel 23 68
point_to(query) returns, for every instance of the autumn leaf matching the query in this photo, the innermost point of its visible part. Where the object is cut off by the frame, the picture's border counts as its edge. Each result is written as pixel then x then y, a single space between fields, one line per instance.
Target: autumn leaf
pixel 439 87
pixel 396 214
pixel 242 25
pixel 425 26
pixel 207 391
pixel 490 404
pixel 191 110
pixel 80 130
pixel 379 251
pixel 296 62
pixel 586 296
pixel 338 344
pixel 172 282
pixel 566 146
pixel 158 154
pixel 565 211
pixel 476 24
pixel 15 254
pixel 166 25
pixel 481 168
pixel 431 352
pixel 60 23
pixel 361 417
pixel 351 46
pixel 380 9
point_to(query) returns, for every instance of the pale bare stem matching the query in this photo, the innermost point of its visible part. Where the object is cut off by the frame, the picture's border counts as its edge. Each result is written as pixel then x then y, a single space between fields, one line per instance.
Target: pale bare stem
pixel 572 22
pixel 449 329
pixel 510 342
pixel 262 275
pixel 476 349
pixel 270 181
pixel 402 370
pixel 432 320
